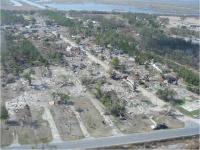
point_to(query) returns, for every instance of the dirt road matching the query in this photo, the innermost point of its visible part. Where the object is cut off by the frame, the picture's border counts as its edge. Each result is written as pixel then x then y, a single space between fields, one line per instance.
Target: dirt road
pixel 94 101
pixel 47 116
pixel 81 124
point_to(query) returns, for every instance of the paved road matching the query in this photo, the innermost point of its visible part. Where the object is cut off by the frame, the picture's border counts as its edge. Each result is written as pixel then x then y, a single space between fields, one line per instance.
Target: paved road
pixel 119 140
pixel 94 101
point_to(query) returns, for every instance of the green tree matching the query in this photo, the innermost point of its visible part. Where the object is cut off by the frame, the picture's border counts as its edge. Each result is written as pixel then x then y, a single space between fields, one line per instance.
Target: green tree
pixel 4 113
pixel 113 103
pixel 28 77
pixel 59 18
pixel 169 95
pixel 64 97
pixel 115 62
pixel 166 94
pixel 10 17
pixel 117 109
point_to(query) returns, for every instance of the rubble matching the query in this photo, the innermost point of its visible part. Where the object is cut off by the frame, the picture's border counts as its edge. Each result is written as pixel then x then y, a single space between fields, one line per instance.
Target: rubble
pixel 80 70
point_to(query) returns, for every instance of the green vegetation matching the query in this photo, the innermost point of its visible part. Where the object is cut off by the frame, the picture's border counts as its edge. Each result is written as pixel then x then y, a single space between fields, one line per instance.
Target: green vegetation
pixel 110 101
pixel 4 113
pixel 179 51
pixel 154 39
pixel 11 18
pixel 24 138
pixel 55 57
pixel 169 95
pixel 191 78
pixel 115 40
pixel 194 114
pixel 19 55
pixel 115 62
pixel 59 18
pixel 153 43
pixel 44 140
pixel 166 94
pixel 141 58
pixel 194 89
pixel 28 77
pixel 115 107
pixel 183 31
pixel 97 91
pixel 64 98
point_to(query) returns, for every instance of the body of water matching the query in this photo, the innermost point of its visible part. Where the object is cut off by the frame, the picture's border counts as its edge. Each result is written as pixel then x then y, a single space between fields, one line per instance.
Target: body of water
pixel 32 3
pixel 99 7
pixel 113 7
pixel 16 3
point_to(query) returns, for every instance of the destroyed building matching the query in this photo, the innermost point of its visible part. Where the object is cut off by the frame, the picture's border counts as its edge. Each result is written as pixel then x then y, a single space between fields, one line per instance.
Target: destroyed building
pixel 170 78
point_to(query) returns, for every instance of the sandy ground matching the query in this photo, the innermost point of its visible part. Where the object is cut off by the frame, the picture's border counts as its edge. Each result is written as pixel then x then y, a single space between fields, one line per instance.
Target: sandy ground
pixel 54 131
pixel 38 133
pixel 170 121
pixel 95 124
pixel 80 121
pixel 86 117
pixel 138 123
pixel 94 101
pixel 175 21
pixel 6 135
pixel 66 123
pixel 41 134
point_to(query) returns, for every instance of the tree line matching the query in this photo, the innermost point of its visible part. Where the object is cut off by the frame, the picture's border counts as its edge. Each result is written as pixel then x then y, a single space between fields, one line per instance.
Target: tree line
pixel 19 55
pixel 11 18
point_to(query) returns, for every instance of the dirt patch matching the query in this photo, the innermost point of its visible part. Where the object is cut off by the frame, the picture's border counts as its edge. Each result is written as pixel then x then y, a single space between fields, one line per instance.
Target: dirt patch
pixel 134 124
pixel 66 123
pixel 26 129
pixel 175 21
pixel 6 134
pixel 38 132
pixel 93 121
pixel 170 121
